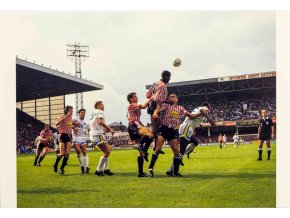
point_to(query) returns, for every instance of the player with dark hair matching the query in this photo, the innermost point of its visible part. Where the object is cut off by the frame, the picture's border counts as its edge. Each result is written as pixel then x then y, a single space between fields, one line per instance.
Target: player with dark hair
pixel 137 131
pixel 188 141
pixel 170 119
pixel 80 129
pixel 64 123
pixel 159 94
pixel 45 138
pixel 265 133
pixel 98 127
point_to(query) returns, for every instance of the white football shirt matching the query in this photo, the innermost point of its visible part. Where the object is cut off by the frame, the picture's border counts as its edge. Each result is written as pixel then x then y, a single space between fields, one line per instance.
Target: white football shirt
pixel 95 127
pixel 198 120
pixel 82 128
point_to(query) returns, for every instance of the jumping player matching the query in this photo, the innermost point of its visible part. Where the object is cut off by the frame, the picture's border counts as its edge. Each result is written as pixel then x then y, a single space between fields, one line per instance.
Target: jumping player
pixel 159 94
pixel 64 124
pixel 97 128
pixel 170 119
pixel 137 131
pixel 80 129
pixel 265 133
pixel 188 141
pixel 45 138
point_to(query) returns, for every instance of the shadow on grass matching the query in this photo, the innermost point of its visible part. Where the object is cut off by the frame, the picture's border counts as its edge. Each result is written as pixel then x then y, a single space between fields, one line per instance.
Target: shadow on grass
pixel 159 175
pixel 55 190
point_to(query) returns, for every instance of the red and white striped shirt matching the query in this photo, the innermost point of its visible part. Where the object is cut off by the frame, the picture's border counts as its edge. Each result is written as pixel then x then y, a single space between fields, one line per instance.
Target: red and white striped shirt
pixel 159 92
pixel 65 126
pixel 134 112
pixel 171 116
pixel 45 135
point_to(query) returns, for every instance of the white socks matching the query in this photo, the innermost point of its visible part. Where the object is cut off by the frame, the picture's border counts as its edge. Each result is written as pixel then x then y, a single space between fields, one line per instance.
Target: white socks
pixel 107 163
pixel 188 148
pixel 86 160
pixel 101 163
pixel 80 160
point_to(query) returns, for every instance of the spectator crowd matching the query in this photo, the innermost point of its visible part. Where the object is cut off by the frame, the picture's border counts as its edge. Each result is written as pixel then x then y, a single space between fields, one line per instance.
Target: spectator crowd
pixel 238 107
pixel 224 108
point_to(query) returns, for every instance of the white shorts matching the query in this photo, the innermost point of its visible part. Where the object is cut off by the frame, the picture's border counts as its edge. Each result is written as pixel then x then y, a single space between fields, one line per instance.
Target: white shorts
pixel 98 139
pixel 79 141
pixel 185 131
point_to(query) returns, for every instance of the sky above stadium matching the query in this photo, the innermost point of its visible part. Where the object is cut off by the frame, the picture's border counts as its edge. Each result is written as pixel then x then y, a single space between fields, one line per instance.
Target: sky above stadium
pixel 130 49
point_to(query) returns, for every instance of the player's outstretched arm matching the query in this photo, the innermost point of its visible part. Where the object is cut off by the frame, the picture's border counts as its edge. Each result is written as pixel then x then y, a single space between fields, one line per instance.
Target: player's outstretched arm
pixel 163 107
pixel 61 119
pixel 205 114
pixel 149 93
pixel 156 112
pixel 145 104
pixel 102 123
pixel 191 116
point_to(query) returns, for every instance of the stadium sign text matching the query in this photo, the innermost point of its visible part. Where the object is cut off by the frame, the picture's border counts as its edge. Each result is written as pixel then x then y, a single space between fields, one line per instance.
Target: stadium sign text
pixel 247 76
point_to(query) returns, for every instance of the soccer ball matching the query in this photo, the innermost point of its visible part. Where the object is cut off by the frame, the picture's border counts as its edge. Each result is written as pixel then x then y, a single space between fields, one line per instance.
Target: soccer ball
pixel 177 62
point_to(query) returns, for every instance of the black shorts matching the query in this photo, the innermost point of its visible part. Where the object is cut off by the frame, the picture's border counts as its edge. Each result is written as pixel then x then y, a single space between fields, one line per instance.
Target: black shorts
pixel 41 146
pixel 133 131
pixel 168 133
pixel 265 137
pixel 65 138
pixel 194 140
pixel 151 107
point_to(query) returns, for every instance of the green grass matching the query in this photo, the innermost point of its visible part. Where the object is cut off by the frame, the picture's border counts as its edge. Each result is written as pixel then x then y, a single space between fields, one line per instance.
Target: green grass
pixel 213 178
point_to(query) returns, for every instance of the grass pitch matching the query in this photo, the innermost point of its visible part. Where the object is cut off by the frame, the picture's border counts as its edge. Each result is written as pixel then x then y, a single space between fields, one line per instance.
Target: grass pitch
pixel 213 178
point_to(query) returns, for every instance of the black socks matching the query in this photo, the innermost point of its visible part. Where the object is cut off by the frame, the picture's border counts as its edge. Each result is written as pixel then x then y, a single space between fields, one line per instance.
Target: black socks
pixel 176 163
pixel 64 163
pixel 153 160
pixel 140 161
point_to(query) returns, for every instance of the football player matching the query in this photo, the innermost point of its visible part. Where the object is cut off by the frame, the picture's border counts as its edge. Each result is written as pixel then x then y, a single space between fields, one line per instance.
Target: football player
pixel 64 124
pixel 80 129
pixel 45 138
pixel 98 127
pixel 187 138
pixel 137 131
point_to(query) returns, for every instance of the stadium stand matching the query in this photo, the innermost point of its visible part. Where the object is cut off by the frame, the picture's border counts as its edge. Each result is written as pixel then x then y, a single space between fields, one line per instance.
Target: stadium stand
pixel 230 108
pixel 34 82
pixel 236 102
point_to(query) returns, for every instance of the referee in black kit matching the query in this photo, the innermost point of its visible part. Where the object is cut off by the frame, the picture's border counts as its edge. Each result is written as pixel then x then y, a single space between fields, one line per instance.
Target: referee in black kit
pixel 265 133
